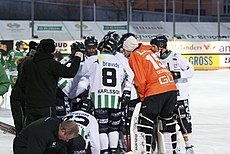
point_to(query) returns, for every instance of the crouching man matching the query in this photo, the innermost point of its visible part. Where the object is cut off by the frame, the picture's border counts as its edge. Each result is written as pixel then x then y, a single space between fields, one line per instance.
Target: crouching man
pixel 45 136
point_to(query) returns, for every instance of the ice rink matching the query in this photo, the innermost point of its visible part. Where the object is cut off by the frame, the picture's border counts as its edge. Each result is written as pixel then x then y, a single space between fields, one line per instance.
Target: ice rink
pixel 210 109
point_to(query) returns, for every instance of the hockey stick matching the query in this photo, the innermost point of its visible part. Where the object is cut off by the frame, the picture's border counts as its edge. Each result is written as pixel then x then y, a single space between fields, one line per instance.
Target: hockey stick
pixel 6 128
pixel 126 129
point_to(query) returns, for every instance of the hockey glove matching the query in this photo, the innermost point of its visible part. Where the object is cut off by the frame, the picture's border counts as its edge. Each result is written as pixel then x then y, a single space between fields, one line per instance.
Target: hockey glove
pixel 86 105
pixel 79 47
pixel 125 98
pixel 176 75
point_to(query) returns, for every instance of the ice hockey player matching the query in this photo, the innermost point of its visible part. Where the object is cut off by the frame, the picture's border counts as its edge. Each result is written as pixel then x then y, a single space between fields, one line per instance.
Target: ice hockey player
pixel 125 51
pixel 91 46
pixel 10 63
pixel 4 81
pixel 156 88
pixel 106 75
pixel 67 87
pixel 181 69
pixel 88 128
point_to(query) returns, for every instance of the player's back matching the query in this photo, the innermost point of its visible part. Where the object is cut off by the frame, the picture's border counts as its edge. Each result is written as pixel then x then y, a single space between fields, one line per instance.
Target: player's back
pixel 106 74
pixel 88 128
pixel 151 77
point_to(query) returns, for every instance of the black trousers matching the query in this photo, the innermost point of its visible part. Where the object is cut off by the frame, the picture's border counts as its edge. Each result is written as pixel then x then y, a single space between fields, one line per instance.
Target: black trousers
pixel 18 113
pixel 33 114
pixel 162 105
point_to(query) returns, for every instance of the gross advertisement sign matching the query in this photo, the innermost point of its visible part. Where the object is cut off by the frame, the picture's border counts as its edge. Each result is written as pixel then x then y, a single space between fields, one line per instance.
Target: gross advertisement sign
pixel 203 61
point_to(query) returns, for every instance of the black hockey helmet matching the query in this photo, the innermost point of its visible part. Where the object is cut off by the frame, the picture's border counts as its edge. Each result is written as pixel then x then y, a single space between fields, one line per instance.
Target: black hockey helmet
pixel 109 41
pixel 112 34
pixel 110 44
pixel 161 41
pixel 90 41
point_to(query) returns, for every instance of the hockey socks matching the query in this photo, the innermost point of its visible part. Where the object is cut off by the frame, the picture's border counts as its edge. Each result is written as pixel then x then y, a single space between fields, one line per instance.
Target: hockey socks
pixel 113 139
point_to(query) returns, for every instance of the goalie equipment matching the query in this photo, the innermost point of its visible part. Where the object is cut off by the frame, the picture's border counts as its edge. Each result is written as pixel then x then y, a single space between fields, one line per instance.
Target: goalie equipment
pixel 167 135
pixel 138 143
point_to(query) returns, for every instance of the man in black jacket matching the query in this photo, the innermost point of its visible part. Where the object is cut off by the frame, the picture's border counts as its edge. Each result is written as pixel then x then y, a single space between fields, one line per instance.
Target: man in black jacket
pixel 39 79
pixel 17 98
pixel 45 136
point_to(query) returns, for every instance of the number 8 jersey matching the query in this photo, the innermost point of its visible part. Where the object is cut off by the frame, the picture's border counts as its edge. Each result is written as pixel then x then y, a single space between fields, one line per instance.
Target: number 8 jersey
pixel 106 79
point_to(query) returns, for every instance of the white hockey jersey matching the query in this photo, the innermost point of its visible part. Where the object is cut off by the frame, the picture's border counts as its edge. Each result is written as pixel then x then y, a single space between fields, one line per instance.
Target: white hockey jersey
pixel 70 85
pixel 107 75
pixel 88 129
pixel 176 62
pixel 63 83
pixel 125 63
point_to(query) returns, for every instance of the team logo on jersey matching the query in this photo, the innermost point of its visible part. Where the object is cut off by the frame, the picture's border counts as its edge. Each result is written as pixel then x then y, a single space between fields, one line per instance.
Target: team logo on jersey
pixel 99 59
pixel 110 64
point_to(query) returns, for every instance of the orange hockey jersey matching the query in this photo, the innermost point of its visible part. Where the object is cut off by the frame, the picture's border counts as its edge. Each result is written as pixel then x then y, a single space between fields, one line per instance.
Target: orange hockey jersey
pixel 150 76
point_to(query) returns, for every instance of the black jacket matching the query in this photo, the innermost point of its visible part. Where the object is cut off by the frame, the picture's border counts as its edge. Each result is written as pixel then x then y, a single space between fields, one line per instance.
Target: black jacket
pixel 40 76
pixel 16 92
pixel 40 137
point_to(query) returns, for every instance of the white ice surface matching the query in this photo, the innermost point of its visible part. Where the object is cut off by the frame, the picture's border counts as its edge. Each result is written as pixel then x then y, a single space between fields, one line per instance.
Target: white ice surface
pixel 210 109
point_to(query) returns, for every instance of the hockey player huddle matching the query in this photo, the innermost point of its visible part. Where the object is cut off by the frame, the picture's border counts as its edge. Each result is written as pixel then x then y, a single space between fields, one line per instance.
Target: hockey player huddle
pixel 126 97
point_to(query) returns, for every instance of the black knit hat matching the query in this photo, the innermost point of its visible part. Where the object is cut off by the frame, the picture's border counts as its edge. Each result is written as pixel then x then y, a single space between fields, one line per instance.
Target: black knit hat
pixel 47 42
pixel 32 45
pixel 48 45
